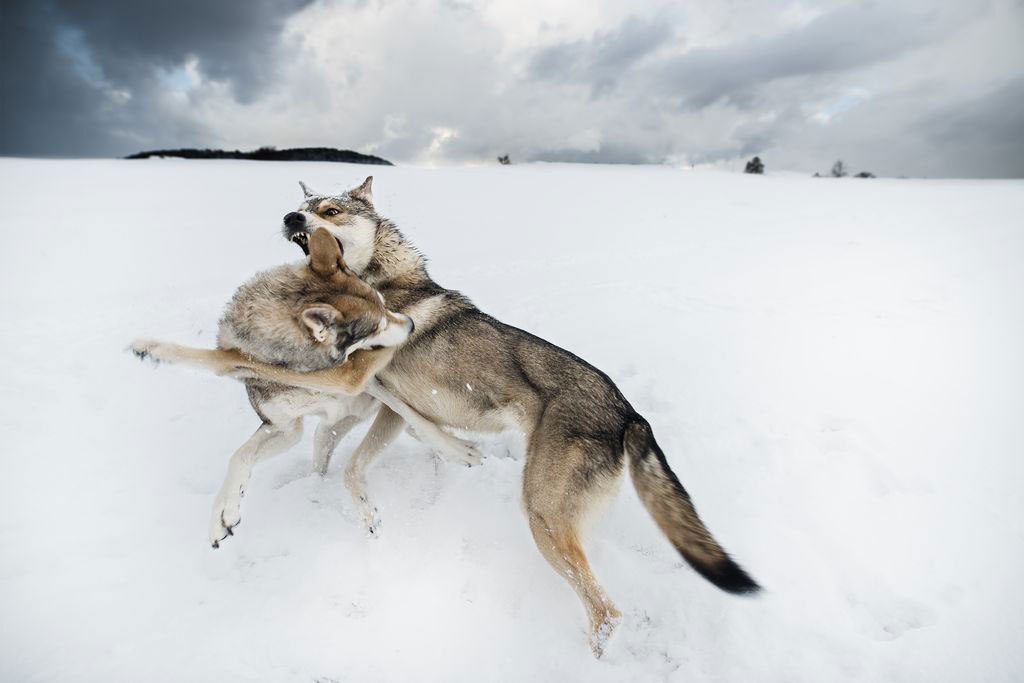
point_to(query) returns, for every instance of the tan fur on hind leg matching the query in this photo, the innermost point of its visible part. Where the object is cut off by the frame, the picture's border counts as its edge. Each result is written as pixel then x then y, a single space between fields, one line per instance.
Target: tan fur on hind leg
pixel 559 493
pixel 562 549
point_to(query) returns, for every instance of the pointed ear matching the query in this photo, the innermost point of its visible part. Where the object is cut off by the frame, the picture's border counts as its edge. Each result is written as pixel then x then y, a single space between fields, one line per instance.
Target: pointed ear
pixel 324 253
pixel 305 190
pixel 364 191
pixel 319 318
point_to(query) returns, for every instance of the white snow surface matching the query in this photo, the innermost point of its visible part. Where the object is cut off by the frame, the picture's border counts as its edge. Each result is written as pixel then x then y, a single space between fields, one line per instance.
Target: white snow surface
pixel 833 368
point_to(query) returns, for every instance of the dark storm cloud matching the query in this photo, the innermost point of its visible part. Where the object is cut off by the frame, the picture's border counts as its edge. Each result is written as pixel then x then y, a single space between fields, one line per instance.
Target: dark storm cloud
pixel 47 108
pixel 603 59
pixel 900 86
pixel 78 76
pixel 235 40
pixel 986 134
pixel 847 38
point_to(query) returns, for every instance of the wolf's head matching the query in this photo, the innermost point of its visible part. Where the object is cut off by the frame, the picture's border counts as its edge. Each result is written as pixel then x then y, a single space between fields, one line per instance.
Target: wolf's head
pixel 351 314
pixel 349 217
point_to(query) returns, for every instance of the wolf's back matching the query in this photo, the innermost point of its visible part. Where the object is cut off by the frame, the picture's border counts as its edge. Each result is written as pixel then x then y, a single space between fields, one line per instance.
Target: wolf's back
pixel 673 511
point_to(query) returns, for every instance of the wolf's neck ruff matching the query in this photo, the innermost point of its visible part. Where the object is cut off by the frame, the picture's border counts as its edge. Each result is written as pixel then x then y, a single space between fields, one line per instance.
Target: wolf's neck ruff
pixel 395 262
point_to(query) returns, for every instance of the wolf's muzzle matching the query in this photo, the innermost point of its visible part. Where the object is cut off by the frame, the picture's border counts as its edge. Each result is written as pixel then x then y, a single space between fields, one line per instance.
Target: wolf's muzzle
pixel 294 220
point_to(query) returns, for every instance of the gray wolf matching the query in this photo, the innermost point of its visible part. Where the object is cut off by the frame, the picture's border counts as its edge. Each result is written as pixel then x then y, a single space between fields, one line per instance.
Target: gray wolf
pixel 314 316
pixel 464 369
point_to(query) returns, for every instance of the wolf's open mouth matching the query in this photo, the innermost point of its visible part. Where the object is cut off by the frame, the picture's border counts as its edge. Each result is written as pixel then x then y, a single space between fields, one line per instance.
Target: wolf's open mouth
pixel 301 239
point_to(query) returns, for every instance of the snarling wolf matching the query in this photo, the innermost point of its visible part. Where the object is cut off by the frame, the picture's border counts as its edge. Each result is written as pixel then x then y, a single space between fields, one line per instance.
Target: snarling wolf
pixel 312 316
pixel 462 368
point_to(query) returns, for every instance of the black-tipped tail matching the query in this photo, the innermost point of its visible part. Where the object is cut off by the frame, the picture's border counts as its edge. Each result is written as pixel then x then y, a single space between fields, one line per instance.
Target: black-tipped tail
pixel 673 511
pixel 727 575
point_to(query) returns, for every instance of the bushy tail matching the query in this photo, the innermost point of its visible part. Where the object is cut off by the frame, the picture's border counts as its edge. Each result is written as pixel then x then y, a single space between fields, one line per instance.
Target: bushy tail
pixel 671 507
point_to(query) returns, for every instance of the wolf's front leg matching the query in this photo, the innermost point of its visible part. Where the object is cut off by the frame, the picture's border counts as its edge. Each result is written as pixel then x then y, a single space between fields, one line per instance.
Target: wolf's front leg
pixel 220 361
pixel 268 441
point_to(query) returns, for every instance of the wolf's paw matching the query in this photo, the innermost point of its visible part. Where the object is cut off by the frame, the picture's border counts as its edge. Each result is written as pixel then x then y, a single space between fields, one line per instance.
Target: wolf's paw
pixel 143 349
pixel 461 451
pixel 373 525
pixel 226 516
pixel 602 631
pixel 370 518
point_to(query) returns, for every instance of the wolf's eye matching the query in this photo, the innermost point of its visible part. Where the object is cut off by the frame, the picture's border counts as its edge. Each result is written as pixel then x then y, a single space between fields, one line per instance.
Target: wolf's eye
pixel 331 212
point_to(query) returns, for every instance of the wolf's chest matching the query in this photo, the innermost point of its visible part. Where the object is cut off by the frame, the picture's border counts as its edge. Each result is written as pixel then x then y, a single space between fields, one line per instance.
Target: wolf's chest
pixel 279 404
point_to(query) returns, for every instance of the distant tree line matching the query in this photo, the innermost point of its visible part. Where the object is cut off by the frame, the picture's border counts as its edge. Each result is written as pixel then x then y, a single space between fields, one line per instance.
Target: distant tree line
pixel 270 154
pixel 839 169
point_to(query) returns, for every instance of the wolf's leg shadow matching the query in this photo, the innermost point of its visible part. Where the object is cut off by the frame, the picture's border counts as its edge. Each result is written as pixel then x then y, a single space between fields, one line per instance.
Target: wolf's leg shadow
pixel 268 441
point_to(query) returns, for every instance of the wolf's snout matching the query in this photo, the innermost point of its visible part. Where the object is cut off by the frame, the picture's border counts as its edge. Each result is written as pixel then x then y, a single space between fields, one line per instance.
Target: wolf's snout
pixel 294 219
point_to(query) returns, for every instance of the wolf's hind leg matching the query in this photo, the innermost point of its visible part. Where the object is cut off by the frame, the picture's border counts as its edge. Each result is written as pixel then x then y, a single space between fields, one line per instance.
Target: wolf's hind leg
pixel 268 441
pixel 558 494
pixel 326 439
pixel 451 448
pixel 385 428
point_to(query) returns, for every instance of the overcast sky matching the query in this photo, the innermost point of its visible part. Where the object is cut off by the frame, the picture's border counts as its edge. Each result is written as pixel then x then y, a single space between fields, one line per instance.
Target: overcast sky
pixel 898 87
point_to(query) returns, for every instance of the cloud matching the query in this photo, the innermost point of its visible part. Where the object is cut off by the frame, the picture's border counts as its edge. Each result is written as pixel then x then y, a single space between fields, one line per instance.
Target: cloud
pixel 896 86
pixel 235 41
pixel 984 133
pixel 604 58
pixel 850 37
pixel 84 78
pixel 47 105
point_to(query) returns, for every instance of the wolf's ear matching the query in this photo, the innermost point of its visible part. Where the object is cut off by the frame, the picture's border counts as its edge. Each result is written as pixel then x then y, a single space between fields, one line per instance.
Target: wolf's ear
pixel 324 253
pixel 305 190
pixel 364 191
pixel 319 318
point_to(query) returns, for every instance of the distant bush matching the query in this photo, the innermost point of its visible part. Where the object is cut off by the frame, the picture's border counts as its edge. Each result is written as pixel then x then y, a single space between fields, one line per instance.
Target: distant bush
pixel 504 160
pixel 839 169
pixel 755 165
pixel 865 174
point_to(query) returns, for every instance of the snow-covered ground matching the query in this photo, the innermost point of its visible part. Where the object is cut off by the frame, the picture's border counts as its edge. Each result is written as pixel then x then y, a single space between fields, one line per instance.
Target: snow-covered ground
pixel 834 369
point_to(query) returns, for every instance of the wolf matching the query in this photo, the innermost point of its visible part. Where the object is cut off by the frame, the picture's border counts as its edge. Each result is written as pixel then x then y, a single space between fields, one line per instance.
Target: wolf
pixel 463 369
pixel 309 317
